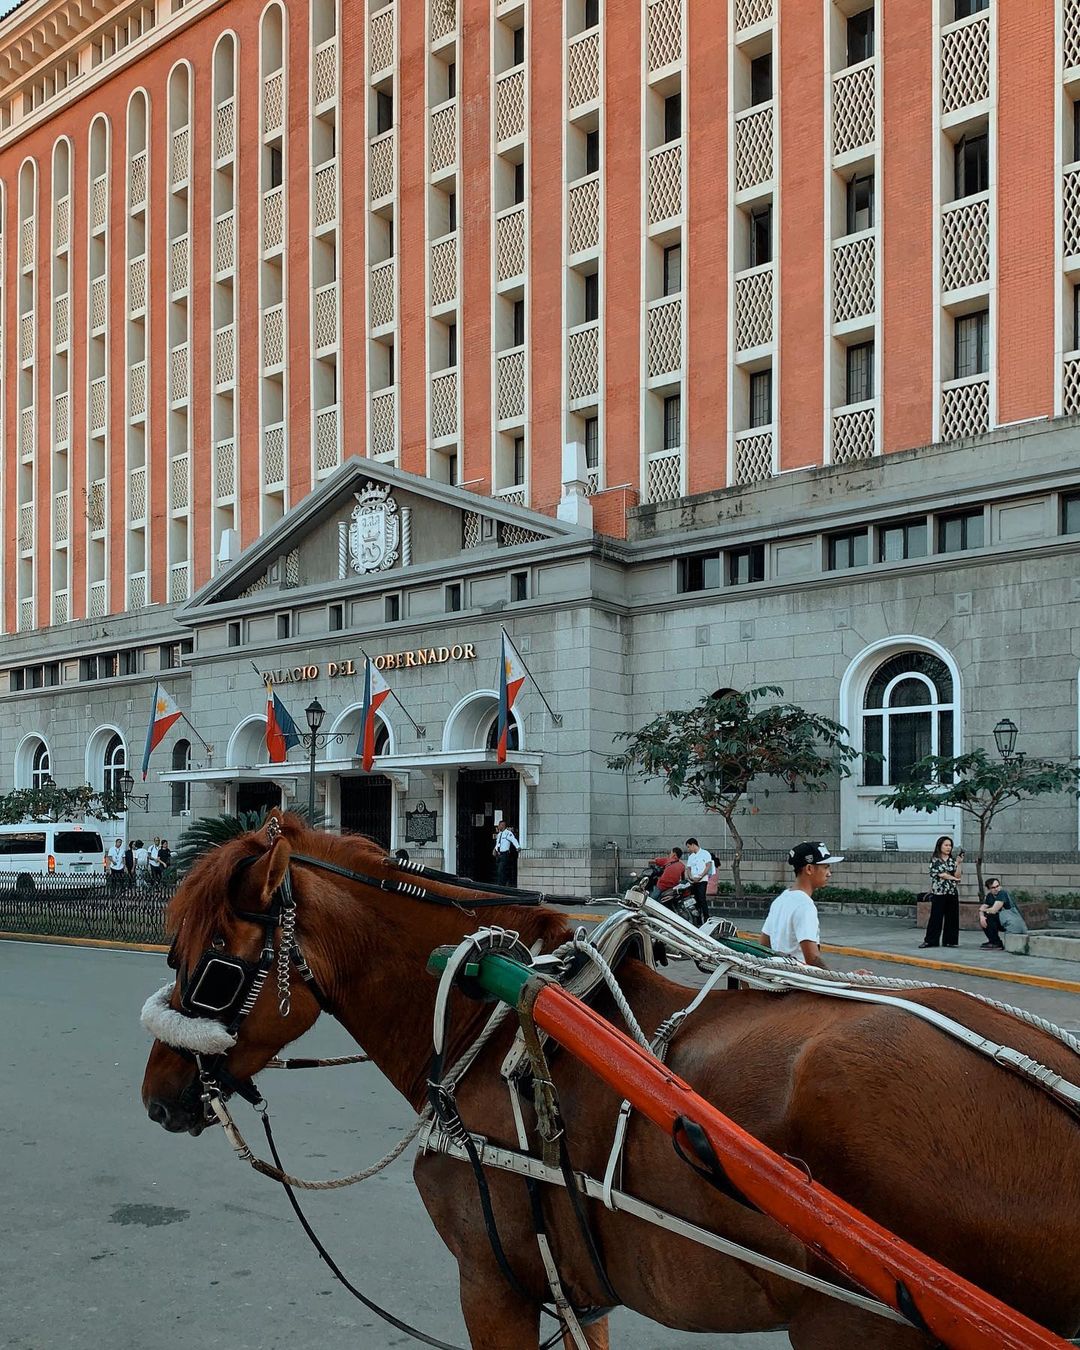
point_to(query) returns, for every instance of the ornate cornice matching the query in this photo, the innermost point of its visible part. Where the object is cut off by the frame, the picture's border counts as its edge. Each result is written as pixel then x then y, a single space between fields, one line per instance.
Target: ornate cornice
pixel 38 32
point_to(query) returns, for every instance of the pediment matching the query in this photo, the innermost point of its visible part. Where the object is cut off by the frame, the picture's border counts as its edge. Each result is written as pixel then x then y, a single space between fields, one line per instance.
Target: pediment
pixel 371 525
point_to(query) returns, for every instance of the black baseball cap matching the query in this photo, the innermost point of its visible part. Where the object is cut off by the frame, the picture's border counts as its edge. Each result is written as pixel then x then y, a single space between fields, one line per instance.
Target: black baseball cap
pixel 802 855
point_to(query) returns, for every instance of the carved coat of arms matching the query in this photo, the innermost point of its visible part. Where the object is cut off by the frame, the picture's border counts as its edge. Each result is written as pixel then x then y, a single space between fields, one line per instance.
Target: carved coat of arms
pixel 376 533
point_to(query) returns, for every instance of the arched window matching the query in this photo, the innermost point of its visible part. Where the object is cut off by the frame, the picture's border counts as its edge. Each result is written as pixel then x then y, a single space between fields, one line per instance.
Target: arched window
pixel 181 792
pixel 907 713
pixel 512 737
pixel 40 766
pixel 114 762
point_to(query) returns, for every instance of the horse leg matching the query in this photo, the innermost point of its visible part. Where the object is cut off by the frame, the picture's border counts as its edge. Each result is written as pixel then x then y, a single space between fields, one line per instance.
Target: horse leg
pixel 496 1316
pixel 824 1324
pixel 596 1333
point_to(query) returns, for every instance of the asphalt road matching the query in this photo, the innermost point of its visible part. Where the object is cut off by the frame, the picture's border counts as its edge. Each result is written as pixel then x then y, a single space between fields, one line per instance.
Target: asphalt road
pixel 123 1236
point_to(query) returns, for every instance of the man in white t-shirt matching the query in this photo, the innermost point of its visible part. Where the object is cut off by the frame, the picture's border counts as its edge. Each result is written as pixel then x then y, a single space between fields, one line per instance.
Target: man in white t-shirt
pixel 792 927
pixel 698 866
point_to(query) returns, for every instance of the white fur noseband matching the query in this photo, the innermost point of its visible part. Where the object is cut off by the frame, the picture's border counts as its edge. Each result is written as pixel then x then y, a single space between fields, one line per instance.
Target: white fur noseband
pixel 197 1034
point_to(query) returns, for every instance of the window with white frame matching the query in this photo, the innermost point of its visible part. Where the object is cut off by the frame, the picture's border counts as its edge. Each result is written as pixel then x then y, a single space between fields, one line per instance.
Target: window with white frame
pixel 972 344
pixel 181 792
pixel 40 766
pixel 908 713
pixel 114 762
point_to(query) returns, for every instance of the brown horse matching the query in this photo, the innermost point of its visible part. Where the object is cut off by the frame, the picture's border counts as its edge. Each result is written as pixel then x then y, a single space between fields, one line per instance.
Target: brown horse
pixel 969 1163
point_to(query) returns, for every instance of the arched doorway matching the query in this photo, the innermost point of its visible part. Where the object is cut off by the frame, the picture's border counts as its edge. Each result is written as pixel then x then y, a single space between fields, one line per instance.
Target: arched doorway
pixel 485 792
pixel 247 750
pixel 367 799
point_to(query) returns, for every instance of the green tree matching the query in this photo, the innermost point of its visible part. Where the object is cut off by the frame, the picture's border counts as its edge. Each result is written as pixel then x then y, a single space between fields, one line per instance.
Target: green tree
pixel 52 802
pixel 715 750
pixel 980 787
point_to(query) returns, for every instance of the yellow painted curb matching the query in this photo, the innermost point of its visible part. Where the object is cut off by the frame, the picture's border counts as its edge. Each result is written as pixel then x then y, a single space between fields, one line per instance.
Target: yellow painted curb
pixel 84 942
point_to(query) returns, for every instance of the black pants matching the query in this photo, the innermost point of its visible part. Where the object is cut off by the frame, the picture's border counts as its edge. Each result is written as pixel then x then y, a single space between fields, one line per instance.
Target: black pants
pixel 697 890
pixel 993 929
pixel 944 925
pixel 506 868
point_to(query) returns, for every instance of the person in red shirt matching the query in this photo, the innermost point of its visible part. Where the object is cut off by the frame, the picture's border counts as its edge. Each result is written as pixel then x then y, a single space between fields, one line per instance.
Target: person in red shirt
pixel 672 872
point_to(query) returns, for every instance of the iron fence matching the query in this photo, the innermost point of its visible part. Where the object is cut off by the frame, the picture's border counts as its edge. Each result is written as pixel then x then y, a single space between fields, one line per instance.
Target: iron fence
pixel 57 907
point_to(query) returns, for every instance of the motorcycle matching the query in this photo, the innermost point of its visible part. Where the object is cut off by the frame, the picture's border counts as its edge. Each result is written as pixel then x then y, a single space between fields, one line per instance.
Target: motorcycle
pixel 678 898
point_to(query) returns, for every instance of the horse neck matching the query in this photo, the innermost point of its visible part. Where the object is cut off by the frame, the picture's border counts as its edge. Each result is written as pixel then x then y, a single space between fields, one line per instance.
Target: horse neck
pixel 384 997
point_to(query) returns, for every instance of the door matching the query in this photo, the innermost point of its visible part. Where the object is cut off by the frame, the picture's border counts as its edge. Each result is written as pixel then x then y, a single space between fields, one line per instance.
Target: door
pixel 483 795
pixel 366 806
pixel 259 797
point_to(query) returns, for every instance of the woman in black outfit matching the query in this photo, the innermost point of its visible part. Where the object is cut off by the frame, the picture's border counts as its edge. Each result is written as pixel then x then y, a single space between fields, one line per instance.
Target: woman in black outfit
pixel 944 924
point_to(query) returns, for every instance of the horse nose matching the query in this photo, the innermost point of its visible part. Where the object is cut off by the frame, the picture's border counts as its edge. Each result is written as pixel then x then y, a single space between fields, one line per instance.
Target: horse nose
pixel 158 1112
pixel 164 1115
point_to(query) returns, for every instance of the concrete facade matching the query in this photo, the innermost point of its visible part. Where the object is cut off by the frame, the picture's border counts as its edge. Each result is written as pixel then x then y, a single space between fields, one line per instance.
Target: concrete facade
pixel 612 632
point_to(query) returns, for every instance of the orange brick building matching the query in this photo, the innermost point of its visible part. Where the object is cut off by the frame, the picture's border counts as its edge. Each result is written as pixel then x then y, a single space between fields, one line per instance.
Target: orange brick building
pixel 708 242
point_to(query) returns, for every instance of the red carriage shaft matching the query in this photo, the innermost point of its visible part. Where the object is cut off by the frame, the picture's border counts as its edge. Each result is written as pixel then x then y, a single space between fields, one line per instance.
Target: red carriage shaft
pixel 957 1312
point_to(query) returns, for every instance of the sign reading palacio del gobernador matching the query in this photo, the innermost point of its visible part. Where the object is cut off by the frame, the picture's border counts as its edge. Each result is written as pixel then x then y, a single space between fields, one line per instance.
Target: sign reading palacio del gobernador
pixel 419 656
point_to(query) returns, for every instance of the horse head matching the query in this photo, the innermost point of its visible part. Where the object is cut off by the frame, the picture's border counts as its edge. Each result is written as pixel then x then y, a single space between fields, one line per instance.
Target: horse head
pixel 230 1005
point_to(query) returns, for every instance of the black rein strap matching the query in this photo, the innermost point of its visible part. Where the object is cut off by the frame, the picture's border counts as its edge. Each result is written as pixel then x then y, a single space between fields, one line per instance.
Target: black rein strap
pixel 494 895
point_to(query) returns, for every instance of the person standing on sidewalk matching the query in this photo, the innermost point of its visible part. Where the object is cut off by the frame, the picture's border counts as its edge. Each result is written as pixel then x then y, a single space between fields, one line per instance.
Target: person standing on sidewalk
pixel 792 927
pixel 698 866
pixel 943 926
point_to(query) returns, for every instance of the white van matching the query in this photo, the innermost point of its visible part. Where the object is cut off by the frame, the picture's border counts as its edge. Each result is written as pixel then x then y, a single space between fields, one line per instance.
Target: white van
pixel 61 848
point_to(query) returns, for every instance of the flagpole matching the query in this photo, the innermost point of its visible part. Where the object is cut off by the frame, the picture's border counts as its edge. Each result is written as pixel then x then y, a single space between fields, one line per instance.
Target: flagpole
pixel 208 748
pixel 555 717
pixel 420 730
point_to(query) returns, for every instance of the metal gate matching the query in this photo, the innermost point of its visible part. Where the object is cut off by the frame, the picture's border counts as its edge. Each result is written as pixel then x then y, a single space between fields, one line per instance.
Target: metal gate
pixel 257 797
pixel 366 806
pixel 483 795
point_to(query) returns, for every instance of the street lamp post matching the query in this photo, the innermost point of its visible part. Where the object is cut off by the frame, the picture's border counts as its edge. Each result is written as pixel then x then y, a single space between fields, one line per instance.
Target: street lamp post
pixel 1005 734
pixel 125 783
pixel 314 739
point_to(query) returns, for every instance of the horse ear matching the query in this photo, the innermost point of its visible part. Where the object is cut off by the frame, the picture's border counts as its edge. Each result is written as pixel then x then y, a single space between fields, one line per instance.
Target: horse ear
pixel 269 869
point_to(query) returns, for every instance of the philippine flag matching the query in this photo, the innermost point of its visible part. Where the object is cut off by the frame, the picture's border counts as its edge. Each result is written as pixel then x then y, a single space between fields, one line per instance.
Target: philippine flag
pixel 162 715
pixel 281 732
pixel 511 678
pixel 376 691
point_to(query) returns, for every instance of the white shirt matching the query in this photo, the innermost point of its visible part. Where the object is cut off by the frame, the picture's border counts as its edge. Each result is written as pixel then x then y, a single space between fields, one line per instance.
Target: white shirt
pixel 792 918
pixel 699 864
pixel 505 840
pixel 116 858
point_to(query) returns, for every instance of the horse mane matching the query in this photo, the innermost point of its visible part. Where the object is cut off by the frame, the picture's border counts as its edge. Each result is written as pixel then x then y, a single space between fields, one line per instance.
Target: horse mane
pixel 203 906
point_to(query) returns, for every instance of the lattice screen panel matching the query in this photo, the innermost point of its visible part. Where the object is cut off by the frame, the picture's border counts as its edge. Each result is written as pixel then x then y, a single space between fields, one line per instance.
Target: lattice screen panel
pixel 273 219
pixel 855 278
pixel 274 336
pixel 665 33
pixel 61 420
pixel 511 386
pixel 95 504
pixel 510 105
pixel 965 63
pixel 326 440
pixel 753 308
pixel 63 222
pixel 664 476
pixel 324 191
pixel 137 180
pixel 965 410
pixel 324 73
pixel 965 245
pixel 1071 213
pixel 273 102
pixel 753 148
pixel 60 321
pixel 508 536
pixel 583 228
pixel 137 284
pixel 665 184
pixel 510 244
pixel 224 359
pixel 443 19
pixel 98 404
pixel 26 613
pixel 26 432
pixel 225 243
pixel 179 582
pixel 274 456
pixel 178 264
pixel 852 436
pixel 753 457
pixel 224 469
pixel 326 316
pixel 444 405
pixel 583 69
pixel 382 41
pixel 26 526
pixel 665 337
pixel 470 529
pixel 583 362
pixel 515 496
pixel 99 202
pixel 444 271
pixel 750 12
pixel 60 518
pixel 383 423
pixel 137 494
pixel 225 128
pixel 137 391
pixel 382 294
pixel 97 600
pixel 178 372
pixel 180 483
pixel 382 166
pixel 444 138
pixel 179 157
pixel 854 122
pixel 60 607
pixel 26 337
pixel 137 591
pixel 26 243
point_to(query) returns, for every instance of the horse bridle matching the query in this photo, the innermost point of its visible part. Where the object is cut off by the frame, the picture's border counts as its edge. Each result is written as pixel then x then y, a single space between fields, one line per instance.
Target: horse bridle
pixel 224 987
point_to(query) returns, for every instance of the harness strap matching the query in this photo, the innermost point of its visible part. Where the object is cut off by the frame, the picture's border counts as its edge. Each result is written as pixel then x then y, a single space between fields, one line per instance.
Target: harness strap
pixel 420 892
